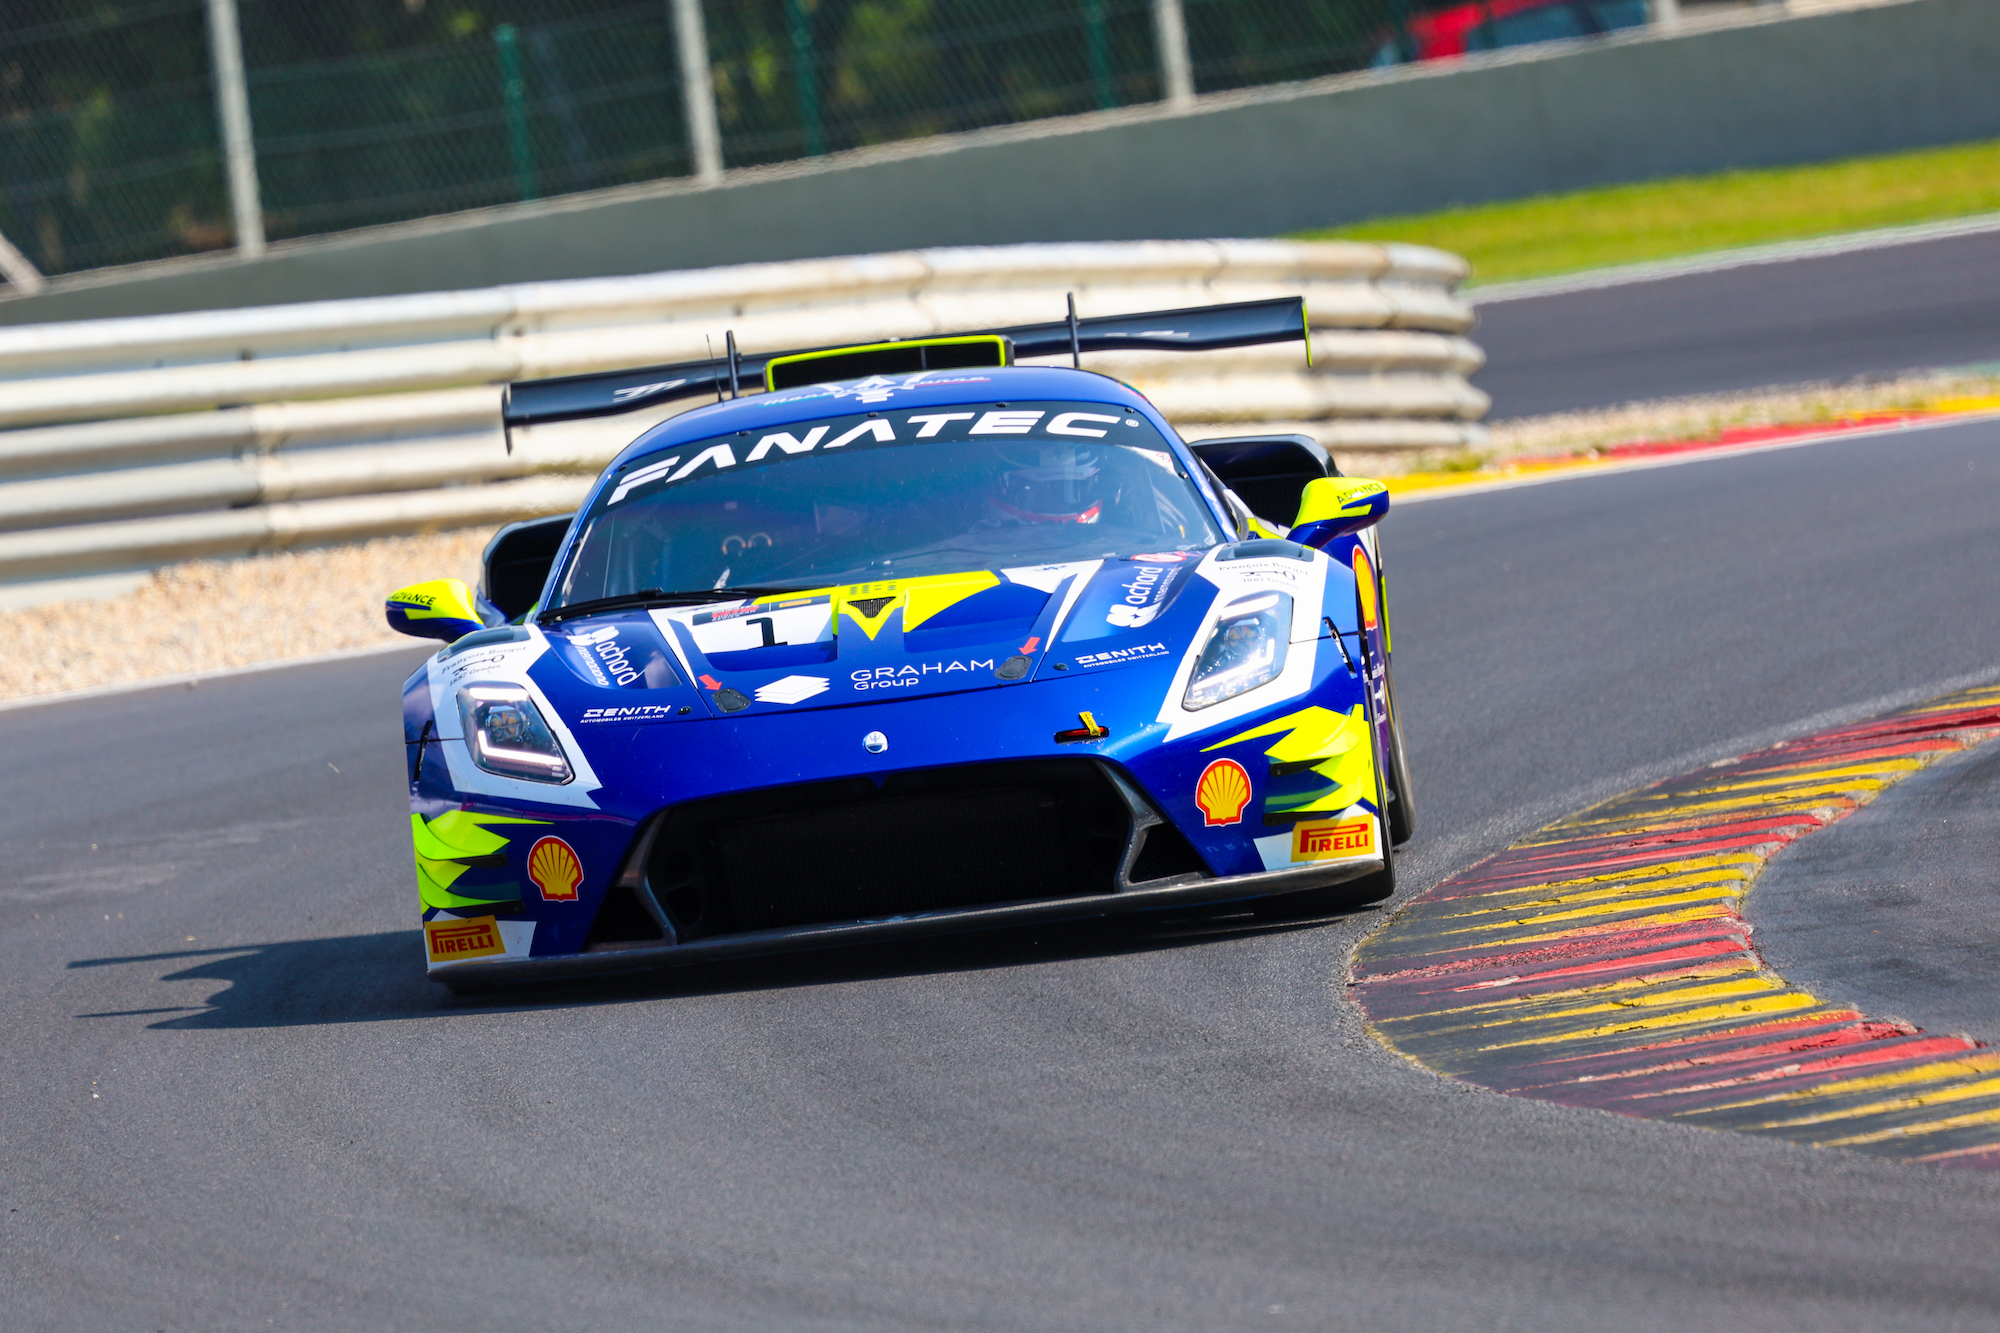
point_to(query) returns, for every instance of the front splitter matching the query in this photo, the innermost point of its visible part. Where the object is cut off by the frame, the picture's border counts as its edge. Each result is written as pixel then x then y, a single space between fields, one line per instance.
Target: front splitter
pixel 1177 892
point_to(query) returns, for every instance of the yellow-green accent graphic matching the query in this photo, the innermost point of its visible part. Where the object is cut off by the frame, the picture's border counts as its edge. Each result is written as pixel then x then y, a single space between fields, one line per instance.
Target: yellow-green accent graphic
pixel 447 846
pixel 1324 763
pixel 869 605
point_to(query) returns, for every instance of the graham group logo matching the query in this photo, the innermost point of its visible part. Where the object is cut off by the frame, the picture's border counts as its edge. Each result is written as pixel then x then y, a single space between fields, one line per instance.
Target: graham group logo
pixel 1222 792
pixel 474 937
pixel 553 866
pixel 1333 840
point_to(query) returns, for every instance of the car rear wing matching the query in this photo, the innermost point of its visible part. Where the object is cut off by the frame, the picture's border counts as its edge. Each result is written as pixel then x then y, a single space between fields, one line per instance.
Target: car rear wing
pixel 1196 329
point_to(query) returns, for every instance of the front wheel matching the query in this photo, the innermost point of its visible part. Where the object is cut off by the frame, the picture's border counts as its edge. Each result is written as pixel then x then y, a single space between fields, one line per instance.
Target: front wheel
pixel 1401 809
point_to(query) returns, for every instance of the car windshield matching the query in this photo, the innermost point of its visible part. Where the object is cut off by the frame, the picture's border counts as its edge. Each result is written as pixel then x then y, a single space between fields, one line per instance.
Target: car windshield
pixel 889 495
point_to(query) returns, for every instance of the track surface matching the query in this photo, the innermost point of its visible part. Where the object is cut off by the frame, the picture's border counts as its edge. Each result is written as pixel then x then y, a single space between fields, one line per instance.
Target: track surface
pixel 277 1123
pixel 1897 907
pixel 1868 313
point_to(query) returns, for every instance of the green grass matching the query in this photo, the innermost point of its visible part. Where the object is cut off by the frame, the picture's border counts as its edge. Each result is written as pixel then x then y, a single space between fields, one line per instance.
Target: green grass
pixel 1563 233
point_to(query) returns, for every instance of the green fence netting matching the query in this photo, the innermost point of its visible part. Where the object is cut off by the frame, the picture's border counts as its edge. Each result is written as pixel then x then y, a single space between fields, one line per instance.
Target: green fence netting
pixel 373 111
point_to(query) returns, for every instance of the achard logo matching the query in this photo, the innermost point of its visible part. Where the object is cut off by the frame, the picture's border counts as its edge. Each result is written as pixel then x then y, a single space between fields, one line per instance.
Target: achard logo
pixel 909 674
pixel 1130 617
pixel 615 658
pixel 1142 595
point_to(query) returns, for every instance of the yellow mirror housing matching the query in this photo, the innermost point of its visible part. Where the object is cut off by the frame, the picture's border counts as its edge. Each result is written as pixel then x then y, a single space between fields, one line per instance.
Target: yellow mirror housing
pixel 436 609
pixel 1337 506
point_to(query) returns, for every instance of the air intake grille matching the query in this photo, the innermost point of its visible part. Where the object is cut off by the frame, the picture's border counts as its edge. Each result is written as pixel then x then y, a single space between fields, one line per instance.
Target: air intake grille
pixel 922 842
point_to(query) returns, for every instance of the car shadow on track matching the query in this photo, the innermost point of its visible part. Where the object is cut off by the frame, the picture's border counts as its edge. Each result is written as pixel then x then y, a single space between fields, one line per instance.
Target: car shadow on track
pixel 380 977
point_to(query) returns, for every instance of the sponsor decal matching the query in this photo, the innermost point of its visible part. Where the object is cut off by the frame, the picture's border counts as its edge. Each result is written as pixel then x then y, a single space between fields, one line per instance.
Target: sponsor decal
pixel 453 940
pixel 1222 792
pixel 456 670
pixel 627 656
pixel 1146 587
pixel 555 870
pixel 636 713
pixel 1052 422
pixel 1160 557
pixel 913 673
pixel 1138 654
pixel 1333 839
pixel 756 609
pixel 1364 585
pixel 792 689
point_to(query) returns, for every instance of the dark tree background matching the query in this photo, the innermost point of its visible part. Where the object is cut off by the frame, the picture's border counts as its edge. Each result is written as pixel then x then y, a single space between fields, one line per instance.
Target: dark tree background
pixel 369 111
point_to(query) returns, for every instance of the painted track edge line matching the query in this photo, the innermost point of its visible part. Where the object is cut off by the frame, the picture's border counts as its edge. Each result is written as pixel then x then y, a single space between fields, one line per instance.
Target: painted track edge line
pixel 184 677
pixel 1582 470
pixel 1567 968
pixel 1721 261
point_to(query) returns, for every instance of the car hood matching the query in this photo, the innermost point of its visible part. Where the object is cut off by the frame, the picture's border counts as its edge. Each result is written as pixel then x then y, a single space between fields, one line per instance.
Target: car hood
pixel 863 643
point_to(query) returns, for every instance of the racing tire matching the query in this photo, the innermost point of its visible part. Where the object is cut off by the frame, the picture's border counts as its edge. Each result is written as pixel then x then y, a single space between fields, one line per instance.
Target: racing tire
pixel 1401 809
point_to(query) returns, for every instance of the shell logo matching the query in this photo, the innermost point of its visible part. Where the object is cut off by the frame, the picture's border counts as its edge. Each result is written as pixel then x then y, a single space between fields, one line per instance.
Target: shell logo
pixel 1222 793
pixel 1364 586
pixel 553 866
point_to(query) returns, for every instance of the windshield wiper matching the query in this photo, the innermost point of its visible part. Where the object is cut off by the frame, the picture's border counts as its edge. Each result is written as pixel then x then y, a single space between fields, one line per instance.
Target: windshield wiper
pixel 660 597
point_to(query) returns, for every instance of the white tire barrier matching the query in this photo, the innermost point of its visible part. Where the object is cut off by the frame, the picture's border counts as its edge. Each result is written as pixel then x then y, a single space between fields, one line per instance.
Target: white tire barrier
pixel 128 443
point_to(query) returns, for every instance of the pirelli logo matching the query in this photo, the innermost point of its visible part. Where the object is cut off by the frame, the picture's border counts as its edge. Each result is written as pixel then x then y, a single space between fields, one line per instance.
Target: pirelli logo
pixel 453 941
pixel 1333 840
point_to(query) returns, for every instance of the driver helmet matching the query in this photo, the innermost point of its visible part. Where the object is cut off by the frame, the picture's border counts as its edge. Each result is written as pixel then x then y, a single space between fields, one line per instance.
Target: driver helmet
pixel 1056 483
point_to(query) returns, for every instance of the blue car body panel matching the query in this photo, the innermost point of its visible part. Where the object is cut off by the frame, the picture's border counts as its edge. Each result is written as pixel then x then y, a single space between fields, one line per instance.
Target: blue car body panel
pixel 662 708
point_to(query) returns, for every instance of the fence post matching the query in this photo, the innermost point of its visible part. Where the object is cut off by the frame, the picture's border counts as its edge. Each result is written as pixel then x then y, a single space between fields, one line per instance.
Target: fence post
pixel 514 97
pixel 1097 42
pixel 805 77
pixel 232 105
pixel 698 90
pixel 16 268
pixel 1176 73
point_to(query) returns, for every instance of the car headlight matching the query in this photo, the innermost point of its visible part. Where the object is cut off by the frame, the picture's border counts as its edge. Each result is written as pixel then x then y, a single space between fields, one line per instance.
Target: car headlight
pixel 506 734
pixel 1245 649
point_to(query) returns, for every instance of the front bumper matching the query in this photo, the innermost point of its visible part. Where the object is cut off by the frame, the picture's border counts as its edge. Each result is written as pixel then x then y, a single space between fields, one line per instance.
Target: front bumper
pixel 796 939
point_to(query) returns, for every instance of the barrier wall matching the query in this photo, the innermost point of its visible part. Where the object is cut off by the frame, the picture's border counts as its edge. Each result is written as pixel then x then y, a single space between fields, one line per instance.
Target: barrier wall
pixel 1744 88
pixel 127 443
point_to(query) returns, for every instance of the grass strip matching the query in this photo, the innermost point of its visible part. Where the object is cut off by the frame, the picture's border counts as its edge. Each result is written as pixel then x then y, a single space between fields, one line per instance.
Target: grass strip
pixel 1690 215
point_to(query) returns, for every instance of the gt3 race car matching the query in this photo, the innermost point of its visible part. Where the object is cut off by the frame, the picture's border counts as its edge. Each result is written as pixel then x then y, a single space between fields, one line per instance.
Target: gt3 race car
pixel 918 639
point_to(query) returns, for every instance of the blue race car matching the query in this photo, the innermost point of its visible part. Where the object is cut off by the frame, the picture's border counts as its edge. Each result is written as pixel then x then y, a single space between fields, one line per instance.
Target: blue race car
pixel 916 640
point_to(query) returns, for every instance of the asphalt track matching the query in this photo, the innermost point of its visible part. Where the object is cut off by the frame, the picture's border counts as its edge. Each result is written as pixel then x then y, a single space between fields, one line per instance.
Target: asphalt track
pixel 1863 314
pixel 231 1101
pixel 1897 907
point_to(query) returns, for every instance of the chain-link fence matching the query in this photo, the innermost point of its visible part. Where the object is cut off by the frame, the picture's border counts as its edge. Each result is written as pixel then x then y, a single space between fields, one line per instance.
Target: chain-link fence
pixel 371 111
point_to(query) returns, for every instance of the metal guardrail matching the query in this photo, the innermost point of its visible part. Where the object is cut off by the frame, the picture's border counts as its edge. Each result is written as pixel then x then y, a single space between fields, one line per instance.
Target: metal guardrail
pixel 129 443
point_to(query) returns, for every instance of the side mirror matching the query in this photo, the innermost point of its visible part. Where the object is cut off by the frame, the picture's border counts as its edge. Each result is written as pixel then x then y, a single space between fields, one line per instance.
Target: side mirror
pixel 517 563
pixel 1269 473
pixel 1336 506
pixel 438 609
